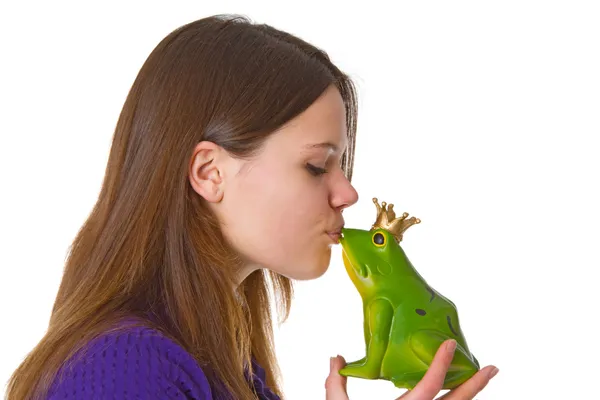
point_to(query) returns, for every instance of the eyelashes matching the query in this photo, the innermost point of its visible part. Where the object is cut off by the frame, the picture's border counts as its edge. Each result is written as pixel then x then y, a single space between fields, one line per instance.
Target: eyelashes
pixel 314 170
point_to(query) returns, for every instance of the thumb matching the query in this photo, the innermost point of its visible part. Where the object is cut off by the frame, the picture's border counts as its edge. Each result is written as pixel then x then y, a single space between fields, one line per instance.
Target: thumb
pixel 335 384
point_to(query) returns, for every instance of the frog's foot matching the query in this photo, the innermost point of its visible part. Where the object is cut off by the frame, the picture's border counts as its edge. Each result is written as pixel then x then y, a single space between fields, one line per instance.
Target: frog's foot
pixel 408 381
pixel 361 369
pixel 456 378
pixel 357 362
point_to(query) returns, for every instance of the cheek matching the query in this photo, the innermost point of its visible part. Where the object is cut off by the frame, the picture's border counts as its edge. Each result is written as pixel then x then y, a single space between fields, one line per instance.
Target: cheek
pixel 282 221
pixel 285 200
pixel 300 248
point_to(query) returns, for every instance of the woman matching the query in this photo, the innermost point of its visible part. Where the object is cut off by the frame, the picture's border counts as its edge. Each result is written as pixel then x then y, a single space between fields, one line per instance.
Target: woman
pixel 229 171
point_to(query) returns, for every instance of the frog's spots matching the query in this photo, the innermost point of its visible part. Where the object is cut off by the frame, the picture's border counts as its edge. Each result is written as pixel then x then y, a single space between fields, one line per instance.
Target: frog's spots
pixel 450 325
pixel 432 293
pixel 420 311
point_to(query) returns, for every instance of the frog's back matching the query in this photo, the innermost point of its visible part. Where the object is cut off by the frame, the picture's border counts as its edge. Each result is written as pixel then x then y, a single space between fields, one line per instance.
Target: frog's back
pixel 423 319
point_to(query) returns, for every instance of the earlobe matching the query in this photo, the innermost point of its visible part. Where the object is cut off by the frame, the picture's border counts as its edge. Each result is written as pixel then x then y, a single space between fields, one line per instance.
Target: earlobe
pixel 204 173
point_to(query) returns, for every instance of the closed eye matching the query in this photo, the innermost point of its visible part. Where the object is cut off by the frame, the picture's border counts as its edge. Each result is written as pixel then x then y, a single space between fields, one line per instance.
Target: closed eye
pixel 314 170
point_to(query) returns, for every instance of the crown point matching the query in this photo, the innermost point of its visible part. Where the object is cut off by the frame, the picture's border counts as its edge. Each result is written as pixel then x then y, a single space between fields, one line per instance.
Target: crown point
pixel 386 219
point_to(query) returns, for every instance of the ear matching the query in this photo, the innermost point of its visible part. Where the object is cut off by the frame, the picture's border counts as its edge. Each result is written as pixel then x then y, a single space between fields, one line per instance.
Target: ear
pixel 206 171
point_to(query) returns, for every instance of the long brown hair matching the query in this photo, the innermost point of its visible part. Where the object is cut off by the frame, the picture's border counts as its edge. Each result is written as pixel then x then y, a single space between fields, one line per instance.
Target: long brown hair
pixel 151 248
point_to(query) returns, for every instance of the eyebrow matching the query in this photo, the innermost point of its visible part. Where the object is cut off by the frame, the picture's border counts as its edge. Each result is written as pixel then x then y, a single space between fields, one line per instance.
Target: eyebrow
pixel 326 145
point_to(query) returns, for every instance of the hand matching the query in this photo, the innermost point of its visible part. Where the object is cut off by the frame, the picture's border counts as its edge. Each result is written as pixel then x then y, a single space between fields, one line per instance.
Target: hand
pixel 427 388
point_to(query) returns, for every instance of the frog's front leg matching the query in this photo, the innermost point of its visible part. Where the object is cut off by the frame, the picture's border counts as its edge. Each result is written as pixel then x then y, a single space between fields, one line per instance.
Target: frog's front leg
pixel 379 316
pixel 367 335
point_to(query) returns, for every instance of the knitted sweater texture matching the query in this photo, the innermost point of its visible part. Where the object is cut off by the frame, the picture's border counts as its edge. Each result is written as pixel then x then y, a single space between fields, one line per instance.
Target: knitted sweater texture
pixel 139 363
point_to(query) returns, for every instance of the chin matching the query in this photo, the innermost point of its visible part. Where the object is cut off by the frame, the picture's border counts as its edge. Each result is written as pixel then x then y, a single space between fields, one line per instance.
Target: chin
pixel 312 269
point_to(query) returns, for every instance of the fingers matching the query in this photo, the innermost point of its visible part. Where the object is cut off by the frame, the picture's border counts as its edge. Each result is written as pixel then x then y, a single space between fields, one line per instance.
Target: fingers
pixel 474 385
pixel 335 384
pixel 433 380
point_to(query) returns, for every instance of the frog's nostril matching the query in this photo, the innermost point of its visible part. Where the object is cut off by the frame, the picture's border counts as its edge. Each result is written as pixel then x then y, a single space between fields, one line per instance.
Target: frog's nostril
pixel 420 311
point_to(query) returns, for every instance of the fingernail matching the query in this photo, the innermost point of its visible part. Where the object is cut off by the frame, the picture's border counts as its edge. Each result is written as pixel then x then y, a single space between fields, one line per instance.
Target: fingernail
pixel 331 363
pixel 451 346
pixel 493 372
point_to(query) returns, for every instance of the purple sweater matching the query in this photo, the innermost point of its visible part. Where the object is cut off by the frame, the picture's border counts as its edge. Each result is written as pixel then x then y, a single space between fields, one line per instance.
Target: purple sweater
pixel 140 363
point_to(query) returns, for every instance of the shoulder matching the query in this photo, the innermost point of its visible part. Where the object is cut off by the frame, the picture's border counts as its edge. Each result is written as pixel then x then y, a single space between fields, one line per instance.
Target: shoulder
pixel 135 362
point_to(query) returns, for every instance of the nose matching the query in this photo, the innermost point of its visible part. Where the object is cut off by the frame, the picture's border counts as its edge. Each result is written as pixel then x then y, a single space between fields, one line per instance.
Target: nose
pixel 343 195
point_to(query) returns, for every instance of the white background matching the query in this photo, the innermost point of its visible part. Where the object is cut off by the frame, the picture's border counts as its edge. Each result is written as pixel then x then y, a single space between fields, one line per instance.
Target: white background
pixel 480 118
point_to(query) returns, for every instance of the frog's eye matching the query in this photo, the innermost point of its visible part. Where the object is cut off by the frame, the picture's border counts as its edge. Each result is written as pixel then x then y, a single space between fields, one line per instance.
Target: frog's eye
pixel 379 239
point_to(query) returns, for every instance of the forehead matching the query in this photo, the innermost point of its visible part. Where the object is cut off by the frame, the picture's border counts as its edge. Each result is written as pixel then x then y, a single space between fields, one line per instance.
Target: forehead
pixel 322 126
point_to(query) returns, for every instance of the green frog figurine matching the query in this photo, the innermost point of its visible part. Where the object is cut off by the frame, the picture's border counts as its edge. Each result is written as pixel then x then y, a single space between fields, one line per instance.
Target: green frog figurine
pixel 405 320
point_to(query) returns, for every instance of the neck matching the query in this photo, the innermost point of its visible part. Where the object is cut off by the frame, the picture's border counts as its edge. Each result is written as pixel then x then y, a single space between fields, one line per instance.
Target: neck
pixel 244 272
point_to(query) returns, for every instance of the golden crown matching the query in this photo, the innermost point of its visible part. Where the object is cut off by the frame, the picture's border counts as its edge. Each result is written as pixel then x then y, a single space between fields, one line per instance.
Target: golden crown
pixel 386 219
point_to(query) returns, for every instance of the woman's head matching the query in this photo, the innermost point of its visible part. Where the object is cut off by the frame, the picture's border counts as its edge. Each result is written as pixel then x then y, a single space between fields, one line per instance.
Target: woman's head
pixel 212 176
pixel 280 208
